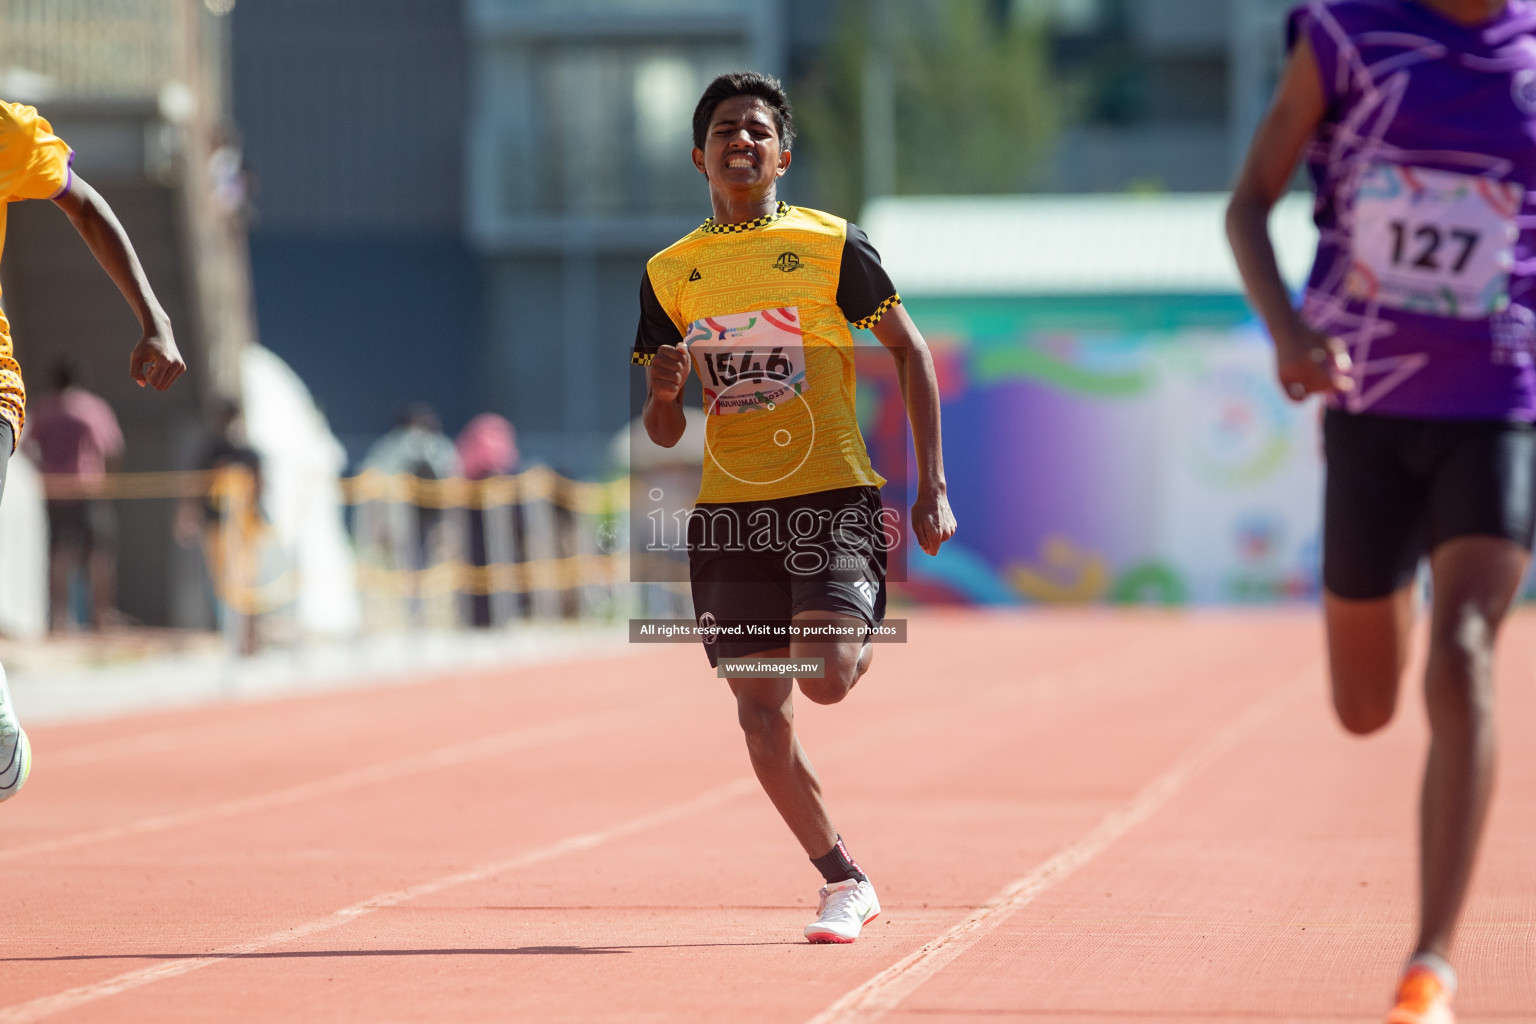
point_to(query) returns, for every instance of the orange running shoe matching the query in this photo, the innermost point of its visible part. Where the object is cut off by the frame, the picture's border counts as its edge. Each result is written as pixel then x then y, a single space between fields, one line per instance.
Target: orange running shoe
pixel 1422 998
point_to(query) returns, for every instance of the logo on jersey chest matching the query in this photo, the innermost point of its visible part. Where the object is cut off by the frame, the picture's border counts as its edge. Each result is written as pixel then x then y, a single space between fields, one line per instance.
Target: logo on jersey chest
pixel 787 262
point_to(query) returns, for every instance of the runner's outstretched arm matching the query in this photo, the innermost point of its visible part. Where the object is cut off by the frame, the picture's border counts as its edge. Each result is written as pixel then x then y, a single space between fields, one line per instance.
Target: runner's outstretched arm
pixel 1306 360
pixel 155 359
pixel 932 521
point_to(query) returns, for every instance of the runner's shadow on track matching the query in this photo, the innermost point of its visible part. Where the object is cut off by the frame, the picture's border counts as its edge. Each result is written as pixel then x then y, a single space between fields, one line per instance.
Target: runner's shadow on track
pixel 301 954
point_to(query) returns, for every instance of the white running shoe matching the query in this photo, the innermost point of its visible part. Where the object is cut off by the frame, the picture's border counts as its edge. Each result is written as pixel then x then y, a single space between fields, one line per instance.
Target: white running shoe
pixel 846 907
pixel 15 749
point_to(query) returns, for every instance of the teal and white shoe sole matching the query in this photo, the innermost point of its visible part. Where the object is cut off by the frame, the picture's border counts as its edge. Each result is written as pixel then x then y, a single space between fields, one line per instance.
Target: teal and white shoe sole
pixel 14 775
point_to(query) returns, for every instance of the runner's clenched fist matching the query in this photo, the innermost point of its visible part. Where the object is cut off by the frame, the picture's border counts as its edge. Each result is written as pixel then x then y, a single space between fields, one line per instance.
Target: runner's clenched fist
pixel 1309 361
pixel 668 371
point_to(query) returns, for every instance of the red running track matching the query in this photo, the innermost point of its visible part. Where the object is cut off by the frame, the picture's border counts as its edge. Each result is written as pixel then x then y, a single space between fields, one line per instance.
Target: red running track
pixel 1070 816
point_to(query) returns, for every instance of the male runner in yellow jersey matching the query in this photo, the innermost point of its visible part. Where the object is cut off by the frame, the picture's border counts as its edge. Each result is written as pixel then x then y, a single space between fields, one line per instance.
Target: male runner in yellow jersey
pixel 35 164
pixel 789 528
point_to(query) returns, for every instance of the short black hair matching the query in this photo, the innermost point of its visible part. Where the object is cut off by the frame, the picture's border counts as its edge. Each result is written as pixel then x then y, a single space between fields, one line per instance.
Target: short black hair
pixel 745 83
pixel 419 414
pixel 66 373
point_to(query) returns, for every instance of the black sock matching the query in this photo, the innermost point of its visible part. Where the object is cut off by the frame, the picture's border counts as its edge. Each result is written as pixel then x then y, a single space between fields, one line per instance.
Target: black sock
pixel 836 866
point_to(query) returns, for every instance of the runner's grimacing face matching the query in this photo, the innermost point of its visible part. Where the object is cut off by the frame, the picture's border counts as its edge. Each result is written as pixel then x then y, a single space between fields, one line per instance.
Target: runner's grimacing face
pixel 741 154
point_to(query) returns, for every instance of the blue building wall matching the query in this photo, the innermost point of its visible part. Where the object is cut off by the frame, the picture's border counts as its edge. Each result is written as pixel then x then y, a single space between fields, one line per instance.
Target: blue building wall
pixel 372 322
pixel 351 116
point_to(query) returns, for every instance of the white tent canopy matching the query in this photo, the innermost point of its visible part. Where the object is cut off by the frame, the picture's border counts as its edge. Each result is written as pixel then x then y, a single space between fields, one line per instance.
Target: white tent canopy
pixel 301 465
pixel 1074 245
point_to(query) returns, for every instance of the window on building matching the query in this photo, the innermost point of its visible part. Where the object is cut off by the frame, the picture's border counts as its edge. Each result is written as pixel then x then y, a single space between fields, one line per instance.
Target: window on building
pixel 599 128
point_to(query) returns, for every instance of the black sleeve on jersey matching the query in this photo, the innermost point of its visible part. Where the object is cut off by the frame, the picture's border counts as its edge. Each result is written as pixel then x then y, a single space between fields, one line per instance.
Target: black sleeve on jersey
pixel 864 289
pixel 656 327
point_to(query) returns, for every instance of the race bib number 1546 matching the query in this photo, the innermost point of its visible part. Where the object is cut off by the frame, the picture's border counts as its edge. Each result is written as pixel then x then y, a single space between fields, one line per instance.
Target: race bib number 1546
pixel 1434 242
pixel 749 361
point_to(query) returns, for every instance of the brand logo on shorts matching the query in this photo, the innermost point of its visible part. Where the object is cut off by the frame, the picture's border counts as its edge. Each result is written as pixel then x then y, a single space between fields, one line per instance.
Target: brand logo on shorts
pixel 787 262
pixel 1523 88
pixel 866 591
pixel 709 629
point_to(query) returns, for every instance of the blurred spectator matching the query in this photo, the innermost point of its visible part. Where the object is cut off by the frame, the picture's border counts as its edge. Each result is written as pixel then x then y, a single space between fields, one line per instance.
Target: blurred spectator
pixel 416 445
pixel 228 520
pixel 413 533
pixel 487 447
pixel 229 178
pixel 75 439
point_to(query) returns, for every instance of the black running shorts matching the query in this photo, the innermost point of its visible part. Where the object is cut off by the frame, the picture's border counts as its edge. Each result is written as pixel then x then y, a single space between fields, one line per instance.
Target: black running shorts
pixel 84 526
pixel 764 562
pixel 1397 488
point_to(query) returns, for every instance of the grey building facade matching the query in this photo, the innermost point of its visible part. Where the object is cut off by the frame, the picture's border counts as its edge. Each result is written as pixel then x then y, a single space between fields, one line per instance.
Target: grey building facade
pixel 578 171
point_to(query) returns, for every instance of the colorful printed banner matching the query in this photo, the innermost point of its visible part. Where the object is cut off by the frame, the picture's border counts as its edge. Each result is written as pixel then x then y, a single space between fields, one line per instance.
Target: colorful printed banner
pixel 1110 449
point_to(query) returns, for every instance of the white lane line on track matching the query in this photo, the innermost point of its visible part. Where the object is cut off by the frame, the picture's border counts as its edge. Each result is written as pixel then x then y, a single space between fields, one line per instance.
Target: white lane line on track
pixel 47 1006
pixel 189 737
pixel 531 737
pixel 885 991
pixel 136 745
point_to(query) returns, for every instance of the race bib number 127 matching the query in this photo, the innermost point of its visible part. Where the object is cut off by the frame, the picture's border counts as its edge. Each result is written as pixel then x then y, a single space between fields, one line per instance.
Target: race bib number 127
pixel 749 362
pixel 1434 242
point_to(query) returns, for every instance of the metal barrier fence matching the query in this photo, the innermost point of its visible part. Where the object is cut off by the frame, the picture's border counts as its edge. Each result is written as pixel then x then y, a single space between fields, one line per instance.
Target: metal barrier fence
pixel 529 545
pixel 439 554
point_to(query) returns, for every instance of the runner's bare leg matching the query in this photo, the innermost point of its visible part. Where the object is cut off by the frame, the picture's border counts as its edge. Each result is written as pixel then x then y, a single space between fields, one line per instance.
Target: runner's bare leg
pixel 1367 652
pixel 844 661
pixel 1475 581
pixel 765 709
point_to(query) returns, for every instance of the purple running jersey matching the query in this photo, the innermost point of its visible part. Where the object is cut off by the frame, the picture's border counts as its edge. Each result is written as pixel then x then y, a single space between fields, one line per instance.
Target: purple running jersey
pixel 1425 169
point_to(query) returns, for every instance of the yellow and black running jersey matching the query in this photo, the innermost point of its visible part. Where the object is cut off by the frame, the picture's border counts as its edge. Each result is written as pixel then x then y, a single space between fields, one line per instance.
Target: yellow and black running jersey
pixel 763 308
pixel 34 164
